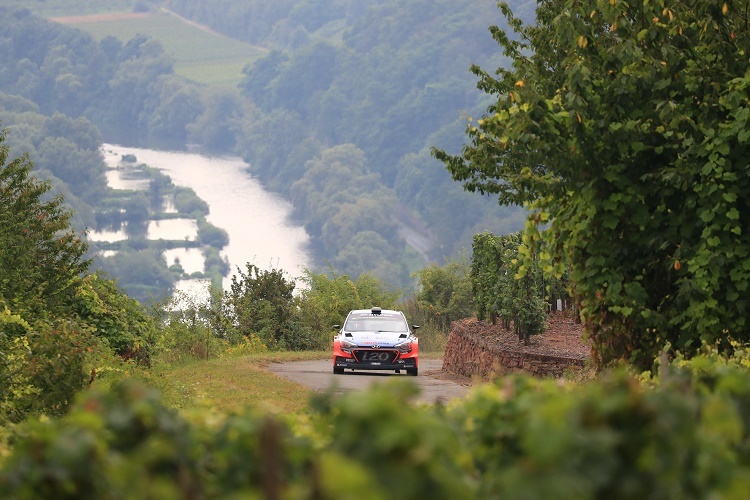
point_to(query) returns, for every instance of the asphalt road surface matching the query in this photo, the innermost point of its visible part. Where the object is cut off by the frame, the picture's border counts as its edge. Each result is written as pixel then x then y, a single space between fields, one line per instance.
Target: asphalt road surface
pixel 318 375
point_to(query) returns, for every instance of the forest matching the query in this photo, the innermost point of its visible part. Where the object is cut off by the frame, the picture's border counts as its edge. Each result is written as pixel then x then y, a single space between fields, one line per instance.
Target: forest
pixel 338 116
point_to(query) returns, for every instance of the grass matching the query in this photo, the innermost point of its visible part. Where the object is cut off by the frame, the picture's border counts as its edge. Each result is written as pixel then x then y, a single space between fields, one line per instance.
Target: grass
pixel 225 72
pixel 230 384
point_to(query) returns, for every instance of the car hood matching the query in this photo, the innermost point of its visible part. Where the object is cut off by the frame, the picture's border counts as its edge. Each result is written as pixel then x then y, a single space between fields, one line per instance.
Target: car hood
pixel 380 339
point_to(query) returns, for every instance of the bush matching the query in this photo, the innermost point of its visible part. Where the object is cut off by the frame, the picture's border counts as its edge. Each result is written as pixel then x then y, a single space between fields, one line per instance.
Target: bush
pixel 326 299
pixel 117 319
pixel 43 369
pixel 187 202
pixel 433 331
pixel 682 433
pixel 445 293
pixel 261 302
pixel 123 441
pixel 210 235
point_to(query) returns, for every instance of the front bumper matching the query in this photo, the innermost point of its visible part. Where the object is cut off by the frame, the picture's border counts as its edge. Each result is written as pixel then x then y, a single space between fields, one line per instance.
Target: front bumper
pixel 354 364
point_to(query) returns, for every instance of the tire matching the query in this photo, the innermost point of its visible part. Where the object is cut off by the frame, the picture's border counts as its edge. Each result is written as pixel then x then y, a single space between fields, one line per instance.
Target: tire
pixel 413 371
pixel 337 370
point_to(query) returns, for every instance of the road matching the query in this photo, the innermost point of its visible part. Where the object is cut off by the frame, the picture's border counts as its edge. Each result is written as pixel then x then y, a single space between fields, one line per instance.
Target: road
pixel 318 375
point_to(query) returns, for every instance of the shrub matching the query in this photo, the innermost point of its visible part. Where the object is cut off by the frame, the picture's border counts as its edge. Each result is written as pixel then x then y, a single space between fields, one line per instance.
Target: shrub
pixel 326 299
pixel 116 318
pixel 44 368
pixel 187 202
pixel 682 433
pixel 444 292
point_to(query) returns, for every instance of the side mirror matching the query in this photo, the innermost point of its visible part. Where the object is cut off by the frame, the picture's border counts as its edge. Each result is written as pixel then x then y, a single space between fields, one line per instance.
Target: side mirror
pixel 336 327
pixel 415 327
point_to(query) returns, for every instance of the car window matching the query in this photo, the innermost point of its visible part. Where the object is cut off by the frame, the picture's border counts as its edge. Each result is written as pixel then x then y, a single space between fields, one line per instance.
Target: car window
pixel 376 324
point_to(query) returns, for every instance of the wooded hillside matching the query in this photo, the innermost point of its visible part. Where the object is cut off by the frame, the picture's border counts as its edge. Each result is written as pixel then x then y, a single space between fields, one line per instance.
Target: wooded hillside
pixel 355 90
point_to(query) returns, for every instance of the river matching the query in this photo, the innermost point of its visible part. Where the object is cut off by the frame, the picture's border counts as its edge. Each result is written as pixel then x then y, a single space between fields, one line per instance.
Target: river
pixel 257 221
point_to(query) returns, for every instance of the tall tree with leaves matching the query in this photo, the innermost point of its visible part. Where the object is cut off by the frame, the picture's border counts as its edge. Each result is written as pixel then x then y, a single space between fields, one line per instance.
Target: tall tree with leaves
pixel 626 126
pixel 261 302
pixel 42 346
pixel 41 256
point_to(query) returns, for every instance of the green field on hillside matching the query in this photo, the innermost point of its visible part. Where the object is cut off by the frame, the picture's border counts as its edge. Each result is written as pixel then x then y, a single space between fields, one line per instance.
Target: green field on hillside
pixel 199 55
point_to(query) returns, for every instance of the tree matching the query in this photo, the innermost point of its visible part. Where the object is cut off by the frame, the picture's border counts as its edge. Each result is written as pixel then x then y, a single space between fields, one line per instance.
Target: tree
pixel 327 298
pixel 50 314
pixel 445 291
pixel 261 302
pixel 41 257
pixel 625 125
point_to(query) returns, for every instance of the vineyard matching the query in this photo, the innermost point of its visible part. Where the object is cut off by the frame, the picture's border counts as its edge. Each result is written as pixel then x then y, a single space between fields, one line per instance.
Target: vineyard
pixel 681 433
pixel 509 284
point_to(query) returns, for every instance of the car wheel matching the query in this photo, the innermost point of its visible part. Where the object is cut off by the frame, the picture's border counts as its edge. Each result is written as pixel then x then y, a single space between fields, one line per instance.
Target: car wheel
pixel 337 370
pixel 412 371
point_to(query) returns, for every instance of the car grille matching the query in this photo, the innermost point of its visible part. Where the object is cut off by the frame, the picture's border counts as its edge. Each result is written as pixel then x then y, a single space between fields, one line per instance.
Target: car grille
pixel 374 355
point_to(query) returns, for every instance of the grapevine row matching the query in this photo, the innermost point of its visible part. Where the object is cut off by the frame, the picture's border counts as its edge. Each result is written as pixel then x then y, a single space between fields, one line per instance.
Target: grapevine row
pixel 508 284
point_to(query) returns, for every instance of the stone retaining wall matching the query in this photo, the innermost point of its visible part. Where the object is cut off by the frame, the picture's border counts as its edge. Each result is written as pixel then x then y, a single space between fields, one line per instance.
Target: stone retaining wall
pixel 470 353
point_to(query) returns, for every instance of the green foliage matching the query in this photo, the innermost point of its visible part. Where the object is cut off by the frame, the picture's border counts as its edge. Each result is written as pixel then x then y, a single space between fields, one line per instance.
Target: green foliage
pixel 187 202
pixel 683 433
pixel 121 441
pixel 626 125
pixel 43 365
pixel 57 365
pixel 384 98
pixel 210 235
pixel 52 312
pixel 443 295
pixel 70 150
pixel 217 126
pixel 41 257
pixel 142 272
pixel 116 318
pixel 261 302
pixel 14 352
pixel 508 283
pixel 191 326
pixel 380 98
pixel 433 331
pixel 326 299
pixel 338 199
pixel 611 437
pixel 260 312
pixel 445 291
pixel 408 438
pixel 215 266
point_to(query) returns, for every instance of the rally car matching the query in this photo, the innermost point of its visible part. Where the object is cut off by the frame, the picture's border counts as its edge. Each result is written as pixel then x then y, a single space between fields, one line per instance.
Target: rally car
pixel 376 339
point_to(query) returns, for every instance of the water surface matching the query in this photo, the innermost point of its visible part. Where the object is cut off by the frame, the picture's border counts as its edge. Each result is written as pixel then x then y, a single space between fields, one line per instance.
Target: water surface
pixel 257 222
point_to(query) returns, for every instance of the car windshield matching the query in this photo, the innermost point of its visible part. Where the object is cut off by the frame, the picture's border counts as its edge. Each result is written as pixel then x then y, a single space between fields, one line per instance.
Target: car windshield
pixel 376 324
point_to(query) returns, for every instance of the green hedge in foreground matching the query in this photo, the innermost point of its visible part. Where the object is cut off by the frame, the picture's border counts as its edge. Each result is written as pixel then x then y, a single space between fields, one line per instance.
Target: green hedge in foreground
pixel 682 434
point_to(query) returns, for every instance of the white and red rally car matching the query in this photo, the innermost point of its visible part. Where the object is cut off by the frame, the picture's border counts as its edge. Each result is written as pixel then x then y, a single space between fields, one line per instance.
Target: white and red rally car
pixel 376 339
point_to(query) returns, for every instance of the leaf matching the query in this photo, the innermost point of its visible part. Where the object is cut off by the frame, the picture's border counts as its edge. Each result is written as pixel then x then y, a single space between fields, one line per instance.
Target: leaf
pixel 609 221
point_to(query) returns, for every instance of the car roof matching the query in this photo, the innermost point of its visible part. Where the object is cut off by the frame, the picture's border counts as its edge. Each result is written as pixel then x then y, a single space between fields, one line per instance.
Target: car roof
pixel 369 311
pixel 383 313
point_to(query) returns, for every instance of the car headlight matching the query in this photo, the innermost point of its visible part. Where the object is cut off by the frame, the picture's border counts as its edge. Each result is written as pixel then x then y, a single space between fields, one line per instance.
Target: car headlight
pixel 404 346
pixel 347 344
